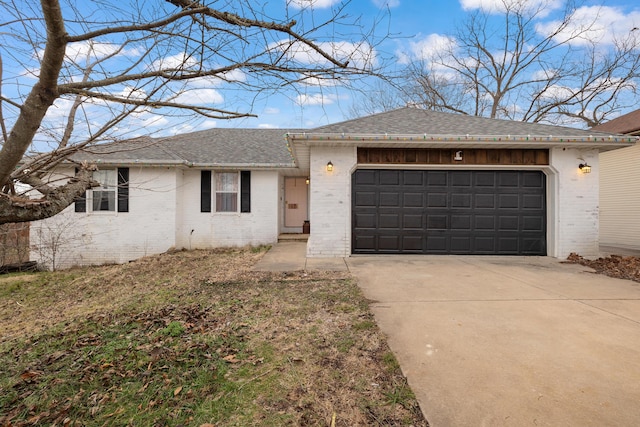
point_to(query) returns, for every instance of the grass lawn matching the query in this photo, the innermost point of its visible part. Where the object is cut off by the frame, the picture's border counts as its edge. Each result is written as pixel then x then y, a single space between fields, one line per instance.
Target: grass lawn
pixel 195 338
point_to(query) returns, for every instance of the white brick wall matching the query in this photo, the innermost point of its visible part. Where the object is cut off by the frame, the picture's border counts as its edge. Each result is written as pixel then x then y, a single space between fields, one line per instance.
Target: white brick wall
pixel 164 206
pixel 113 237
pixel 330 201
pixel 211 229
pixel 574 206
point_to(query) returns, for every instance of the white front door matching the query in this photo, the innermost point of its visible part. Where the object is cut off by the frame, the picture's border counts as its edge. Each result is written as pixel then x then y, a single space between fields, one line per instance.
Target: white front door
pixel 296 202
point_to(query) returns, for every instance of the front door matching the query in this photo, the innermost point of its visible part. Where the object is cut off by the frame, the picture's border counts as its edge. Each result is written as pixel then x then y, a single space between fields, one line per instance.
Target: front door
pixel 295 205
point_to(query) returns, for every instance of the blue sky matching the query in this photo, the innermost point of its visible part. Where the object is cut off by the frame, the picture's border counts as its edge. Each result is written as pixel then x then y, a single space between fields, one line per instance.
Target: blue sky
pixel 413 28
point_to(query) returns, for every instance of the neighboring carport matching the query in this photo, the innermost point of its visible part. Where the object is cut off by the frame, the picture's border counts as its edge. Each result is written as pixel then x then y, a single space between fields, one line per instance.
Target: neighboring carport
pixel 509 341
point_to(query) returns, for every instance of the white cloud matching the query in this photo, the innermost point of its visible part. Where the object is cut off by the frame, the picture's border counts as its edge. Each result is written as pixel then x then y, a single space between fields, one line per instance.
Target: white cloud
pixel 431 46
pixel 359 55
pixel 386 3
pixel 80 51
pixel 267 126
pixel 600 24
pixel 540 7
pixel 320 4
pixel 177 61
pixel 314 99
pixel 199 96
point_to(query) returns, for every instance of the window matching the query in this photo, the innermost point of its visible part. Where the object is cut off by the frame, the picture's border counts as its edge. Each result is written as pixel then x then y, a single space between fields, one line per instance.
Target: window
pixel 112 195
pixel 232 191
pixel 226 192
pixel 104 197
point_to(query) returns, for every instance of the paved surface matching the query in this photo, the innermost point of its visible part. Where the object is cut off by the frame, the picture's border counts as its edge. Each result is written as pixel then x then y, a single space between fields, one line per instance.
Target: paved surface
pixel 493 341
pixel 290 256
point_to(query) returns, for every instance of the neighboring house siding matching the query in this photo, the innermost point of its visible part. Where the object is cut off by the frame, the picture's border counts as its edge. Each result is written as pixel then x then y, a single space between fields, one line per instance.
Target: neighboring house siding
pixel 81 238
pixel 575 203
pixel 330 201
pixel 223 229
pixel 620 198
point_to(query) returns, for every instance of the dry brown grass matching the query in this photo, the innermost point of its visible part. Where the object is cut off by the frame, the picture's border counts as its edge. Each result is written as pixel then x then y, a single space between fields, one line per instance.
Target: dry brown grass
pixel 293 348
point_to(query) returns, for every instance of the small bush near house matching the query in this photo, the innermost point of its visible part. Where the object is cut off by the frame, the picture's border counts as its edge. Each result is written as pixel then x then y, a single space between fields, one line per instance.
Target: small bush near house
pixel 195 338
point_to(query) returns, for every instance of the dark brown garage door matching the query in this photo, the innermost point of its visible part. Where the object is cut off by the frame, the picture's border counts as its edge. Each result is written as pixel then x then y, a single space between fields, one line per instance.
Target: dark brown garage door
pixel 449 212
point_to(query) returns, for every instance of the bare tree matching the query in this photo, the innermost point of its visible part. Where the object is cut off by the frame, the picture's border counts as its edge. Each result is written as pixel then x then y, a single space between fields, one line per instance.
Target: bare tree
pixel 516 63
pixel 103 62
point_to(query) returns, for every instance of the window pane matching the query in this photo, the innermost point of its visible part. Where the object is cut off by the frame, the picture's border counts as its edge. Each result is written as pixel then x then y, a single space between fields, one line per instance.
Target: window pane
pixel 104 200
pixel 226 202
pixel 106 178
pixel 227 182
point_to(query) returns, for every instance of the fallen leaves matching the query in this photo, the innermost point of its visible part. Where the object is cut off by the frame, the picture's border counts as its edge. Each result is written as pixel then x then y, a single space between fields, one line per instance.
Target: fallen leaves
pixel 622 267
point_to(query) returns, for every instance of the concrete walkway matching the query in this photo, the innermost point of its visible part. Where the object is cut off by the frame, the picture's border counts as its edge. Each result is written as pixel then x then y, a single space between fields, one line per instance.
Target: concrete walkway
pixel 517 341
pixel 291 256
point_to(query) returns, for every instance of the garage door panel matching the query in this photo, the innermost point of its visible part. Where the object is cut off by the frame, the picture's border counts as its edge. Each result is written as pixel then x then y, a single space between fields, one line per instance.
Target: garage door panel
pixel 461 222
pixel 389 177
pixel 437 244
pixel 485 201
pixel 508 201
pixel 461 200
pixel 390 199
pixel 413 200
pixel 365 199
pixel 485 179
pixel 412 244
pixel 485 222
pixel 366 220
pixel 437 222
pixel 460 244
pixel 413 178
pixel 365 177
pixel 412 221
pixel 439 212
pixel 532 223
pixel 461 179
pixel 437 200
pixel 437 178
pixel 389 221
pixel 508 223
pixel 389 243
pixel 532 201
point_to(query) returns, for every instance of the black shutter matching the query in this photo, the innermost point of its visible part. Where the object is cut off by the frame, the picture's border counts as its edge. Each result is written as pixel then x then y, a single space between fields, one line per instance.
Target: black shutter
pixel 205 191
pixel 123 189
pixel 245 191
pixel 81 202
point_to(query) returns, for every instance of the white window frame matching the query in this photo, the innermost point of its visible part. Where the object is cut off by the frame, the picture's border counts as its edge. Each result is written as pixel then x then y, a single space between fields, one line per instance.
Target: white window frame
pixel 108 179
pixel 217 182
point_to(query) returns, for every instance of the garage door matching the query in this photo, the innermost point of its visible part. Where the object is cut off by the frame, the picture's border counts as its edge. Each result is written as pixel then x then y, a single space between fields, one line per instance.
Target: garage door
pixel 449 212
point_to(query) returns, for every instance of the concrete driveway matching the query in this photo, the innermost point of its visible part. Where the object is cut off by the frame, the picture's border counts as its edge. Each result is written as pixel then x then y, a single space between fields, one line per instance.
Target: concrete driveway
pixel 514 341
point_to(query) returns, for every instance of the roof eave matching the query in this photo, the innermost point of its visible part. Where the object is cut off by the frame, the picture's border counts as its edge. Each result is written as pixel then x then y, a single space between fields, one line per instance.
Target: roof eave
pixel 600 142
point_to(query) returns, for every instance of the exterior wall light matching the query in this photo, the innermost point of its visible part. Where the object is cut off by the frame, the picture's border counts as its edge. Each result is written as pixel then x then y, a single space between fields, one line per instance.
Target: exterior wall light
pixel 329 167
pixel 307 181
pixel 584 167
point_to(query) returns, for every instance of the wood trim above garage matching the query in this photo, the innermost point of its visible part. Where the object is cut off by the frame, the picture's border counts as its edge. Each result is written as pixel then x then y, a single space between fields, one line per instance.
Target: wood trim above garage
pixel 438 156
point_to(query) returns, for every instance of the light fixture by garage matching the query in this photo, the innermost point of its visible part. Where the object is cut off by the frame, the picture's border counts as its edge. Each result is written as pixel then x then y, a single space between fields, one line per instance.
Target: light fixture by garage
pixel 329 167
pixel 584 167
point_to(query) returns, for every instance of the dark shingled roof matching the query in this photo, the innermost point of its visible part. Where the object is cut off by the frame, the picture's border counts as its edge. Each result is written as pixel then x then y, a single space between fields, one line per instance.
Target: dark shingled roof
pixel 627 124
pixel 416 121
pixel 212 147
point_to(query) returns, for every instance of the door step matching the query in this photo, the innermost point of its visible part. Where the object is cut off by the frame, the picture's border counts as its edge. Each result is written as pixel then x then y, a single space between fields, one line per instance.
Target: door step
pixel 293 237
